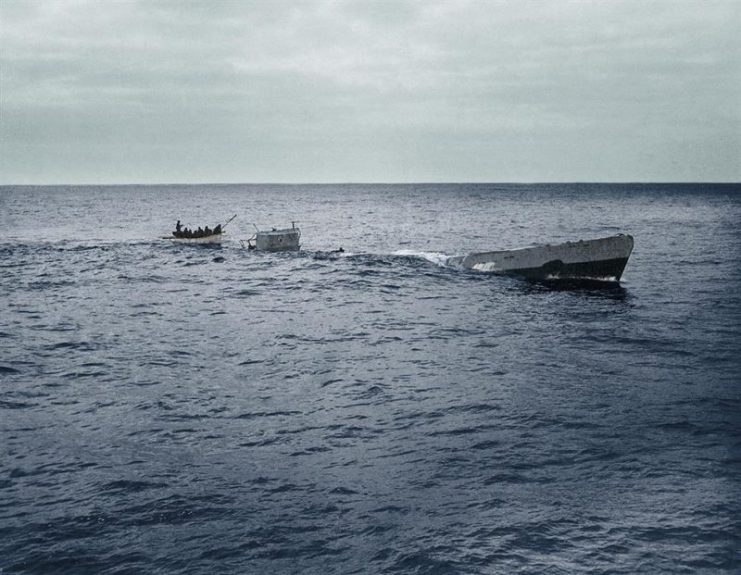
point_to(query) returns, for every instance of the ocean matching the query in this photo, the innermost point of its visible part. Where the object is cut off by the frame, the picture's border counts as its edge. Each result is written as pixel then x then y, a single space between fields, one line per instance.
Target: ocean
pixel 188 409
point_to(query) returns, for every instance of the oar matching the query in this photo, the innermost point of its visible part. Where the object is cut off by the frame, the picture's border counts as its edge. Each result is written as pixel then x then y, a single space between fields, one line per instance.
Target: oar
pixel 229 220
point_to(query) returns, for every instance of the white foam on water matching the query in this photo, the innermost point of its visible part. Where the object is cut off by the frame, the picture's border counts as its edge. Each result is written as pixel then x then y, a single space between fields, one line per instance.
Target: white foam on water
pixel 437 258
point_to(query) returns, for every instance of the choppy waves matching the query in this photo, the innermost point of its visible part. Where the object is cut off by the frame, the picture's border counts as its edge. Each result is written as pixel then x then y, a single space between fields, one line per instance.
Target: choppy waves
pixel 181 409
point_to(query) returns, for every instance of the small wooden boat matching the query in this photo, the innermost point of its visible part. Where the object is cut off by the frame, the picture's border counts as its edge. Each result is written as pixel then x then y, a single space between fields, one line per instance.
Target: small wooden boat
pixel 599 259
pixel 199 236
pixel 276 240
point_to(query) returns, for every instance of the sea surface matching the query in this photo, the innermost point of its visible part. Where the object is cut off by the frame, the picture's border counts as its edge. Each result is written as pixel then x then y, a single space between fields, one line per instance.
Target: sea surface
pixel 174 408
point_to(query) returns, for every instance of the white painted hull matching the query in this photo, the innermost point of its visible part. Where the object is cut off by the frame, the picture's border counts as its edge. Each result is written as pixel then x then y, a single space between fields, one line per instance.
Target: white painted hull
pixel 213 239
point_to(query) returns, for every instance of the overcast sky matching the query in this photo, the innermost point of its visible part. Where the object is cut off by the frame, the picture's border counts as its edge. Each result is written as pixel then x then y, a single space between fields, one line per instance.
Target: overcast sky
pixel 119 91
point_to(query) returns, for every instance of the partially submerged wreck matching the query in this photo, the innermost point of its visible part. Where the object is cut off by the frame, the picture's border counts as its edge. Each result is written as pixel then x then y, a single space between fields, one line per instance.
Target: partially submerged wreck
pixel 599 259
pixel 275 240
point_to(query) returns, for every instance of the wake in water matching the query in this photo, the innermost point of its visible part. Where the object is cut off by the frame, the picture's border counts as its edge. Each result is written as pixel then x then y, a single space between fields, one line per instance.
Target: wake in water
pixel 437 258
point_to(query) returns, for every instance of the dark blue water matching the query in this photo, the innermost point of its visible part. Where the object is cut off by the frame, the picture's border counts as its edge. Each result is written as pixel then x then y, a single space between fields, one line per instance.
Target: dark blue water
pixel 179 409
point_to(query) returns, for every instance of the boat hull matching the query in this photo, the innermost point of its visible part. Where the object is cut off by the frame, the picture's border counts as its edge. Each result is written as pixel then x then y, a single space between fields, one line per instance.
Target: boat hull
pixel 599 259
pixel 212 239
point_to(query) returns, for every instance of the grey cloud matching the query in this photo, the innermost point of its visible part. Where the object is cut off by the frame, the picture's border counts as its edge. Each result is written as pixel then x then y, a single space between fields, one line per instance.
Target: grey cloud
pixel 375 91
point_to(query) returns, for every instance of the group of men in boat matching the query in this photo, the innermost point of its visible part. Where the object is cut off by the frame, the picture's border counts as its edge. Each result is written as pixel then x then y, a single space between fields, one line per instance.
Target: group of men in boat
pixel 181 232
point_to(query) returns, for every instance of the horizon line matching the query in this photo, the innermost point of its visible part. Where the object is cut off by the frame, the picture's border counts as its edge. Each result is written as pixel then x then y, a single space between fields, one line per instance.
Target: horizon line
pixel 359 183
